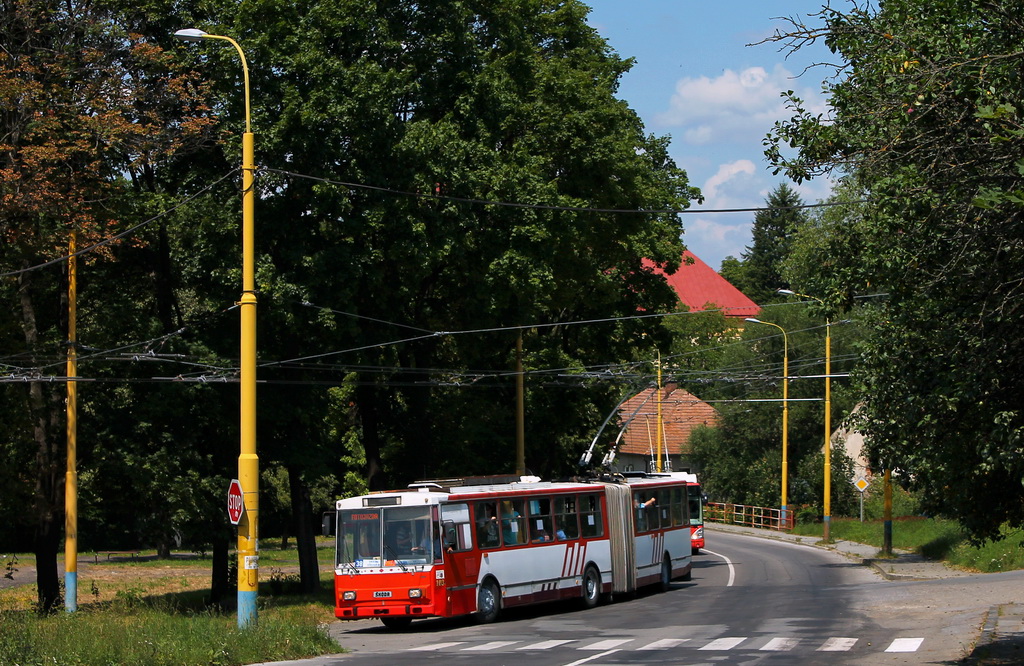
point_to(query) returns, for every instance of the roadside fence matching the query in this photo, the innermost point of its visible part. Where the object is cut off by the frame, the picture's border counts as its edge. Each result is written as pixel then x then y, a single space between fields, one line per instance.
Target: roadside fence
pixel 752 516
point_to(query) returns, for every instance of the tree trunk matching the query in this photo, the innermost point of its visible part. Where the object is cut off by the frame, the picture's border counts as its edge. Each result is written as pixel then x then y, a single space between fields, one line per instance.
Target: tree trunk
pixel 305 537
pixel 369 418
pixel 45 407
pixel 219 583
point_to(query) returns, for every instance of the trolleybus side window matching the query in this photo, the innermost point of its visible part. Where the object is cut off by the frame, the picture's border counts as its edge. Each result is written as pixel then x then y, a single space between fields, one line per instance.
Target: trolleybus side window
pixel 567 521
pixel 678 506
pixel 540 520
pixel 665 507
pixel 512 522
pixel 591 521
pixel 487 533
pixel 456 528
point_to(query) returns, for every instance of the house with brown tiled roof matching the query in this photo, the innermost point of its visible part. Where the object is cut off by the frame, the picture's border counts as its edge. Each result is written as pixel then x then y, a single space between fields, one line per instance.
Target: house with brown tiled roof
pixel 681 413
pixel 699 287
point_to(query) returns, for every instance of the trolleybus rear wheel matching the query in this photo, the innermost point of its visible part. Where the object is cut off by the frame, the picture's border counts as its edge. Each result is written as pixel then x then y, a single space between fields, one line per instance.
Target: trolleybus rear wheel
pixel 666 574
pixel 591 589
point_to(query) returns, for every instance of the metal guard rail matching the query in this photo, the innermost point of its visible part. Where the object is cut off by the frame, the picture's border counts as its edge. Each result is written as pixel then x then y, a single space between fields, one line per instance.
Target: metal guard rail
pixel 753 516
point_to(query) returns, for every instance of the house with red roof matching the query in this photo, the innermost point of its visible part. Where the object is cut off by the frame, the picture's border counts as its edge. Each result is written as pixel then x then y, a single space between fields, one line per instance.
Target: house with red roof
pixel 681 413
pixel 700 287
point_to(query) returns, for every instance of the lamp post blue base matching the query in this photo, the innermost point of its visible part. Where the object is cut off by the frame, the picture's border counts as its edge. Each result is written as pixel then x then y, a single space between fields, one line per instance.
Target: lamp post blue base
pixel 246 608
pixel 71 591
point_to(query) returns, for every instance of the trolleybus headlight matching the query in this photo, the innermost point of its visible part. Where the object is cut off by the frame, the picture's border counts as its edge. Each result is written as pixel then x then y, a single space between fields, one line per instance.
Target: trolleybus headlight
pixel 348 596
pixel 415 593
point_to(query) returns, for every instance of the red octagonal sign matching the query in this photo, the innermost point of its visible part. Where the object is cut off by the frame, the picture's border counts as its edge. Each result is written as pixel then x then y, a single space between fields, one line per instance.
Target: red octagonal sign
pixel 236 505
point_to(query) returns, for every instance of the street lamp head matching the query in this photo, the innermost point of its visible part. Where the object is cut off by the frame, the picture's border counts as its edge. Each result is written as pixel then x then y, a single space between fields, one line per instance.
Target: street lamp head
pixel 755 321
pixel 788 292
pixel 190 35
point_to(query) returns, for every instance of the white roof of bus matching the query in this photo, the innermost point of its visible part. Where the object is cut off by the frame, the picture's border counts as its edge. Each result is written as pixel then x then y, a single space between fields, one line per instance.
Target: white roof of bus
pixel 429 495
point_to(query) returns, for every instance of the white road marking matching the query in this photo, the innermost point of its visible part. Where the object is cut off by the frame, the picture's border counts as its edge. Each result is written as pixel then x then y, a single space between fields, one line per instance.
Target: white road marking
pixel 592 658
pixel 724 643
pixel 606 645
pixel 781 644
pixel 732 569
pixel 435 646
pixel 544 645
pixel 664 644
pixel 905 645
pixel 837 645
pixel 493 645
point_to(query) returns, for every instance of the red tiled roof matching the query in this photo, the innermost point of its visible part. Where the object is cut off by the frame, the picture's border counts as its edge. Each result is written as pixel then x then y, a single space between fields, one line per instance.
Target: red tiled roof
pixel 681 412
pixel 699 287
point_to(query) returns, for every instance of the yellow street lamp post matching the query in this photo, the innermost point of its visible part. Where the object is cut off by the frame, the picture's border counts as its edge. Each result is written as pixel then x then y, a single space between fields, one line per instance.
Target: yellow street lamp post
pixel 827 509
pixel 784 516
pixel 248 462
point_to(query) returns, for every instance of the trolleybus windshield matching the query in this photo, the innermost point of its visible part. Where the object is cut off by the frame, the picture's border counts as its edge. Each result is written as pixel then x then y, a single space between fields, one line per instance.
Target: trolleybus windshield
pixel 385 536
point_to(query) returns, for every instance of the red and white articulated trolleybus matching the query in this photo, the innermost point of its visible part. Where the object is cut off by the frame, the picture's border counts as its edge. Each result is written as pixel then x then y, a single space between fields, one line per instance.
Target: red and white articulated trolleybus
pixel 438 550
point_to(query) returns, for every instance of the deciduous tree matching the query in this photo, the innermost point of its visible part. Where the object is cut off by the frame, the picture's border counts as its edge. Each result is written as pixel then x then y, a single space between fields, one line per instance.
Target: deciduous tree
pixel 926 121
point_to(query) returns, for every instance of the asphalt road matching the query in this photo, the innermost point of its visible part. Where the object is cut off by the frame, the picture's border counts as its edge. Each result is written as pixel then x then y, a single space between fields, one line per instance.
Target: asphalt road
pixel 751 601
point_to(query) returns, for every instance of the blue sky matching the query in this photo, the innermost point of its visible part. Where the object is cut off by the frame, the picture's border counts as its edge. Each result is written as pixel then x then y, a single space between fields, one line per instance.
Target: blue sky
pixel 696 80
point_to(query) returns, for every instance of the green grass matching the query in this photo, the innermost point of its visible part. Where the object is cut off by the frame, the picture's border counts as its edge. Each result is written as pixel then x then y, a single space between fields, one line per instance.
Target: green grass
pixel 153 636
pixel 147 617
pixel 934 538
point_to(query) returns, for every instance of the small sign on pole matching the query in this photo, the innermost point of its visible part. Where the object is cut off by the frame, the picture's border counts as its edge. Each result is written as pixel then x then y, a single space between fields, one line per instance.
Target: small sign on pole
pixel 861 484
pixel 236 504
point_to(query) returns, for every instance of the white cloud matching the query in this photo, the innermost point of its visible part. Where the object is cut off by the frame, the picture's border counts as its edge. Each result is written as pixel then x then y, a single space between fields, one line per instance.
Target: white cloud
pixel 736 106
pixel 725 173
pixel 716 237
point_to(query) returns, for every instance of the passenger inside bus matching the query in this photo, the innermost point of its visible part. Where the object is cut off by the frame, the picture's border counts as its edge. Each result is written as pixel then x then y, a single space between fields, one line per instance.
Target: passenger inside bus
pixel 641 507
pixel 512 523
pixel 487 525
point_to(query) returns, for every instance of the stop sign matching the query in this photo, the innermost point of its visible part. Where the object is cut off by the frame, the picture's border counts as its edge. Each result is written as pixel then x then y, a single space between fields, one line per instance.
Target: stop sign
pixel 236 506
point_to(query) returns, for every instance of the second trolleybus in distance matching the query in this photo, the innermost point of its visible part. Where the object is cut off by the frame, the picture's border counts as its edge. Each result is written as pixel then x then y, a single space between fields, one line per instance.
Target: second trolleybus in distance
pixel 696 508
pixel 436 551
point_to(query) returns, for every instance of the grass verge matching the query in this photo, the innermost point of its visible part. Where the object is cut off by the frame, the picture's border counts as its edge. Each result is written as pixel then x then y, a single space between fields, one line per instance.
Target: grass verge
pixel 154 636
pixel 934 538
pixel 155 612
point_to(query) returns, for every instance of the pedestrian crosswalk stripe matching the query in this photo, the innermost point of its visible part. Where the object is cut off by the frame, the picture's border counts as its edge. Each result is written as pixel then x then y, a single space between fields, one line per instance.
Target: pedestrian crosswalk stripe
pixel 543 645
pixel 781 644
pixel 905 645
pixel 606 645
pixel 493 645
pixel 724 643
pixel 664 644
pixel 777 644
pixel 435 646
pixel 837 645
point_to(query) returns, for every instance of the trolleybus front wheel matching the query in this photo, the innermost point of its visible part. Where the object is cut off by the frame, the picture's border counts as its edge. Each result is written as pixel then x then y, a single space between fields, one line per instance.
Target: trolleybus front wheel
pixel 488 602
pixel 396 623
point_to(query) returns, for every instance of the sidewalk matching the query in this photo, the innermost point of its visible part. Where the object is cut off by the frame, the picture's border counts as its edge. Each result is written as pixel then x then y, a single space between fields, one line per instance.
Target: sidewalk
pixel 1001 642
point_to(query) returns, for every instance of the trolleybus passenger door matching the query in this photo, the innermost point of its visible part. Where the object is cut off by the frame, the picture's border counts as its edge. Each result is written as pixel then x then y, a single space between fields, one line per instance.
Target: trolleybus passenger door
pixel 462 562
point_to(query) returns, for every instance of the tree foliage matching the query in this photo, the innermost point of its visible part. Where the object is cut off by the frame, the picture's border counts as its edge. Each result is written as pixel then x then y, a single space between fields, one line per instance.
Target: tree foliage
pixel 759 271
pixel 741 458
pixel 926 122
pixel 391 275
